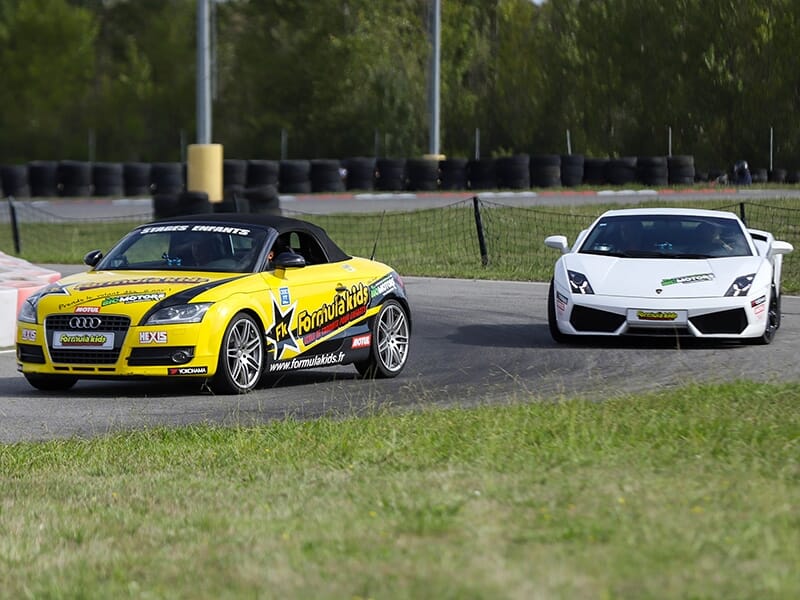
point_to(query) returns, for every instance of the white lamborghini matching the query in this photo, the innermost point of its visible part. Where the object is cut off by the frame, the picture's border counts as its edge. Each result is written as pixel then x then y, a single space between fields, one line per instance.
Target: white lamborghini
pixel 667 272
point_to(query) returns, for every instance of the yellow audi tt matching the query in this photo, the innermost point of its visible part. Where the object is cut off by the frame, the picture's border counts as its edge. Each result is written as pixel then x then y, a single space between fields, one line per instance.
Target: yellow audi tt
pixel 220 298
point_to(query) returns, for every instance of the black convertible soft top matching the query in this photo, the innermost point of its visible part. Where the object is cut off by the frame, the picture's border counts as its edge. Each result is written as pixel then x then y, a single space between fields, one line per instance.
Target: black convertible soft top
pixel 276 222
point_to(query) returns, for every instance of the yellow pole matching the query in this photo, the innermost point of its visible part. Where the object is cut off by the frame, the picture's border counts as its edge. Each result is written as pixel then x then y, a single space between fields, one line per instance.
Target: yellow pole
pixel 204 170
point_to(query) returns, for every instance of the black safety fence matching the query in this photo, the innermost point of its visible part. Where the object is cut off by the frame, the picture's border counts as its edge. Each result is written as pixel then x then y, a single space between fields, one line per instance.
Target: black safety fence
pixel 472 238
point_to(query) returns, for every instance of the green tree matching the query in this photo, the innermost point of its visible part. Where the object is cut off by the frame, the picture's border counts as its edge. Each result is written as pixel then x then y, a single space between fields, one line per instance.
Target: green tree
pixel 46 61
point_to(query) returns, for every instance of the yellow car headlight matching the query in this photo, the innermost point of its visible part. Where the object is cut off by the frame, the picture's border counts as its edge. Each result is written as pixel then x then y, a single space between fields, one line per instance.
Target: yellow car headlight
pixel 181 313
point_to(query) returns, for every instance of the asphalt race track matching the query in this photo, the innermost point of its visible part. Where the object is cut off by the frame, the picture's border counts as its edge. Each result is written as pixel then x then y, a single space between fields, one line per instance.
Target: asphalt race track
pixel 473 342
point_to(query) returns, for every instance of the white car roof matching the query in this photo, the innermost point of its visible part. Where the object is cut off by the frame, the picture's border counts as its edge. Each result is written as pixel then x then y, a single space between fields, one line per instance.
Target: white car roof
pixel 686 212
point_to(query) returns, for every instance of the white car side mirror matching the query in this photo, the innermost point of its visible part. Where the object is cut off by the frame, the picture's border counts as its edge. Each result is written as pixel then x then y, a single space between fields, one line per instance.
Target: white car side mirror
pixel 557 242
pixel 780 247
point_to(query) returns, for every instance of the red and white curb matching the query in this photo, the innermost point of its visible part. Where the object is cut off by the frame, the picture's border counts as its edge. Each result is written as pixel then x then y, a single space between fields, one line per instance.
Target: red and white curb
pixel 18 280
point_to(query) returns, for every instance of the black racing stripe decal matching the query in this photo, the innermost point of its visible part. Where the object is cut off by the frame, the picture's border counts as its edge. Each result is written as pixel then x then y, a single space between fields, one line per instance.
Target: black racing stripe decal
pixel 185 296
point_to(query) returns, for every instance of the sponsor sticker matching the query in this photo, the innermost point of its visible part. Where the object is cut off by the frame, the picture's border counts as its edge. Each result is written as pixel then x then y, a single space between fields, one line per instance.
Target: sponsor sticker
pixel 187 370
pixel 688 279
pixel 83 339
pixel 280 336
pixel 28 335
pixel 152 337
pixel 384 286
pixel 561 302
pixel 361 341
pixel 92 310
pixel 345 308
pixel 133 298
pixel 286 299
pixel 318 360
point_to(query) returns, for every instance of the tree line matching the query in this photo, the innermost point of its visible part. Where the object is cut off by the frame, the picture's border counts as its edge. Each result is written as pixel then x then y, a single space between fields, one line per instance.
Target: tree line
pixel 114 80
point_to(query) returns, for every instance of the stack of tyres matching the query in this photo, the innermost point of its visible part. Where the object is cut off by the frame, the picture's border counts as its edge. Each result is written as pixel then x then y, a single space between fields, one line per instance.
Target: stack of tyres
pixel 360 173
pixel 453 174
pixel 262 172
pixel 652 170
pixel 43 178
pixel 481 174
pixel 422 174
pixel 680 170
pixel 390 174
pixel 513 172
pixel 572 169
pixel 75 178
pixel 545 170
pixel 14 180
pixel 136 178
pixel 167 177
pixel 294 177
pixel 107 179
pixel 326 175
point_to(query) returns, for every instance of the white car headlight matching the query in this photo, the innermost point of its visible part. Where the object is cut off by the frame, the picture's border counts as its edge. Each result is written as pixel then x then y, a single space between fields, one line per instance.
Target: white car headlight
pixel 578 283
pixel 741 285
pixel 181 313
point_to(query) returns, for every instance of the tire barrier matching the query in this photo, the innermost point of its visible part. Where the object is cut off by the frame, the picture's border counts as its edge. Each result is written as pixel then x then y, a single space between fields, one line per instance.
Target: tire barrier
pixel 136 179
pixel 167 178
pixel 165 205
pixel 481 174
pixel 194 203
pixel 594 171
pixel 262 172
pixel 621 171
pixel 70 178
pixel 422 174
pixel 513 172
pixel 572 169
pixel 18 280
pixel 74 178
pixel 681 170
pixel 234 174
pixel 453 174
pixel 14 179
pixel 777 176
pixel 652 170
pixel 294 176
pixel 326 175
pixel 390 174
pixel 263 200
pixel 107 179
pixel 43 178
pixel 759 175
pixel 545 170
pixel 360 173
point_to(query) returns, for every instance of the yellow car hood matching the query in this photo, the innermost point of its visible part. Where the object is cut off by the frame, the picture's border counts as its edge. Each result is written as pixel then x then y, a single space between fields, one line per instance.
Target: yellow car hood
pixel 127 292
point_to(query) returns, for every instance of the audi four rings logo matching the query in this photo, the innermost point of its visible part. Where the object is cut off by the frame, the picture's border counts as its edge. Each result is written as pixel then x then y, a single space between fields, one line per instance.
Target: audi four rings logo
pixel 84 322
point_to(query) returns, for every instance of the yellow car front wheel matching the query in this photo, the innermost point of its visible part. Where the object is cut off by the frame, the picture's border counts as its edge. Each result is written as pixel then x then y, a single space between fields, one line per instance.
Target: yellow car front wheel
pixel 241 356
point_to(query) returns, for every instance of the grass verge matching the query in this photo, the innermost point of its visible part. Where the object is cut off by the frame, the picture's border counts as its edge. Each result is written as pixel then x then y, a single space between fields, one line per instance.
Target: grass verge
pixel 691 494
pixel 438 242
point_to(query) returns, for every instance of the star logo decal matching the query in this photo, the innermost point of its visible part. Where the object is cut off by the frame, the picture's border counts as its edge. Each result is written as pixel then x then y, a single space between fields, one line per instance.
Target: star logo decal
pixel 280 334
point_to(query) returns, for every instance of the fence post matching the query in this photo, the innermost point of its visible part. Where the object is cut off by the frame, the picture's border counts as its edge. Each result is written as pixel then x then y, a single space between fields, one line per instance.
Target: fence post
pixel 12 213
pixel 481 234
pixel 741 213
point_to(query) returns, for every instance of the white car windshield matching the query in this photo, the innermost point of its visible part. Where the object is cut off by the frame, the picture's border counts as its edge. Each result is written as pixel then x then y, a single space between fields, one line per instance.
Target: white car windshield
pixel 667 236
pixel 187 247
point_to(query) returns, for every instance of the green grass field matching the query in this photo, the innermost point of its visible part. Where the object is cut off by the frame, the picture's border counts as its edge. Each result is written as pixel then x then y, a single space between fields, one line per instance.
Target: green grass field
pixel 692 493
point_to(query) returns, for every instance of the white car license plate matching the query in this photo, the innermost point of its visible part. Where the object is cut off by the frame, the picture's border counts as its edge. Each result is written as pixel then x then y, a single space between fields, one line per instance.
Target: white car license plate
pixel 641 316
pixel 92 340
